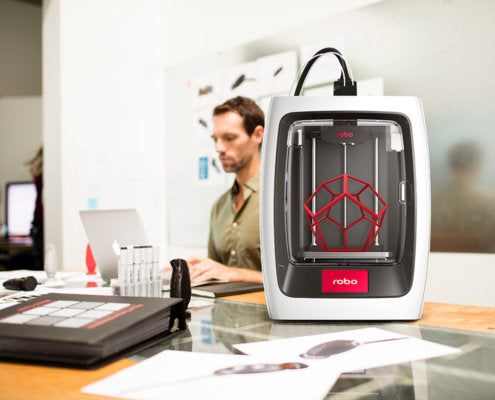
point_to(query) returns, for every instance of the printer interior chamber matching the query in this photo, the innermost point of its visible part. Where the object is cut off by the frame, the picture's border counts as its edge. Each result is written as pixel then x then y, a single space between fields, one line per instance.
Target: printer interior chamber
pixel 348 188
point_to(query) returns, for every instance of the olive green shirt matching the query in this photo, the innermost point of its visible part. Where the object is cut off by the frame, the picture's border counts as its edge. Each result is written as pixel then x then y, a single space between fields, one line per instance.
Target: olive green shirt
pixel 235 236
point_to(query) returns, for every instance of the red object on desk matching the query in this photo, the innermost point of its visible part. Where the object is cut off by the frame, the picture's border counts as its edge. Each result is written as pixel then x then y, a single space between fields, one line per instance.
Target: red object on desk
pixel 90 261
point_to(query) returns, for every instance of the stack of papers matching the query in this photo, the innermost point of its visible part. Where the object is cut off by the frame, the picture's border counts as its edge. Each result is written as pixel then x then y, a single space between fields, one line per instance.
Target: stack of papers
pixel 295 368
pixel 186 375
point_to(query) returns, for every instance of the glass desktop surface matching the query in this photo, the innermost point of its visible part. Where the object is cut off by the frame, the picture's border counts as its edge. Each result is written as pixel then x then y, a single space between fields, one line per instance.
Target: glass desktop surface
pixel 468 375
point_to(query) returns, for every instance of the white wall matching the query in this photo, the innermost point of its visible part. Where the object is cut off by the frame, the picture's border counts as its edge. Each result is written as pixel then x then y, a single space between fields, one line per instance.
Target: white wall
pixel 103 116
pixel 20 48
pixel 461 278
pixel 195 28
pixel 20 137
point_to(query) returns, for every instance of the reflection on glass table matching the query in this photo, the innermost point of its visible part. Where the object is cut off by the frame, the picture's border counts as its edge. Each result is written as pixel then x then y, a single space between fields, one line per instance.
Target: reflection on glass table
pixel 468 375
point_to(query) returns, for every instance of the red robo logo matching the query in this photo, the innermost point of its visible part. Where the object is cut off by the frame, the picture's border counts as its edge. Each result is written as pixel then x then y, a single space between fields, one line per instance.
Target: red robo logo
pixel 344 281
pixel 345 134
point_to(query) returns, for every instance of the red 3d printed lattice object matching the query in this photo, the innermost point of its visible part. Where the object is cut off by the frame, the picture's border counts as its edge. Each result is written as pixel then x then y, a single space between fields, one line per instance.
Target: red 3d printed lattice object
pixel 364 216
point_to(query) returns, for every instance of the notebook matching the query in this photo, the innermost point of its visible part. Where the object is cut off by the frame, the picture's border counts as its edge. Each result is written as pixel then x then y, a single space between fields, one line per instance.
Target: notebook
pixel 226 289
pixel 107 231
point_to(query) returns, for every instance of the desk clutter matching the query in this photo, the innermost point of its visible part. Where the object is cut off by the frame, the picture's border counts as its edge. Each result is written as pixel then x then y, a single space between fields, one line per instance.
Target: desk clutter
pixel 268 369
pixel 86 331
pixel 139 271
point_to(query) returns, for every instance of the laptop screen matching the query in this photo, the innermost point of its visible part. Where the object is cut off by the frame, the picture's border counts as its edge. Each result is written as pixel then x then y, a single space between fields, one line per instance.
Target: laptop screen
pixel 107 231
pixel 20 200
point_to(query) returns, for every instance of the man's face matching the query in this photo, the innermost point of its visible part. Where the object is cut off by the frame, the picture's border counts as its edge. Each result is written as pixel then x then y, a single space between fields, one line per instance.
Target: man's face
pixel 234 146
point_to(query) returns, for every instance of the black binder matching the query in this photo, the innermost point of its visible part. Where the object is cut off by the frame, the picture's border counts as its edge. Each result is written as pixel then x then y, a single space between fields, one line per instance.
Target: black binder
pixel 81 330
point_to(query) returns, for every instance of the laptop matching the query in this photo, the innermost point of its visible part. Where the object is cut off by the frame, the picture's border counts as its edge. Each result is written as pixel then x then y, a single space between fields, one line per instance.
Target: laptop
pixel 107 231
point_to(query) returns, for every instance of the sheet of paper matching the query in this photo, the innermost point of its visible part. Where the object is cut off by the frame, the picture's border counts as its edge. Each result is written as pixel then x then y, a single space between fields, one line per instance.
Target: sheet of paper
pixel 365 355
pixel 199 305
pixel 186 375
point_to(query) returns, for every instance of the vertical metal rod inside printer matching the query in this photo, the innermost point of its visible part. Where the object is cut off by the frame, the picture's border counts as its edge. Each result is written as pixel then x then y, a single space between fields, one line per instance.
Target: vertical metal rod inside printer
pixel 377 243
pixel 313 181
pixel 345 172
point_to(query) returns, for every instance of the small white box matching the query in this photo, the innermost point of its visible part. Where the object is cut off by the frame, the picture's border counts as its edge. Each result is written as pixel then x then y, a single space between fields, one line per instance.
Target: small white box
pixel 130 271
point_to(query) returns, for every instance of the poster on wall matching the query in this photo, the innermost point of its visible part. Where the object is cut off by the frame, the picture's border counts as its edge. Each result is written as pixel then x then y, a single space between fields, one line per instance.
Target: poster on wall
pixel 241 80
pixel 208 170
pixel 202 126
pixel 206 89
pixel 276 73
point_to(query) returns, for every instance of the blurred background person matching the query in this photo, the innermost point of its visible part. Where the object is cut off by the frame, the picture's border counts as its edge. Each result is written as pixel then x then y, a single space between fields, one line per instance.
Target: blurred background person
pixel 463 211
pixel 35 166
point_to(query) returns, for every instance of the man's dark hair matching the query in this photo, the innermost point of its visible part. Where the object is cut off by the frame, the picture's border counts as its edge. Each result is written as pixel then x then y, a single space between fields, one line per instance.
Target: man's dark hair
pixel 251 114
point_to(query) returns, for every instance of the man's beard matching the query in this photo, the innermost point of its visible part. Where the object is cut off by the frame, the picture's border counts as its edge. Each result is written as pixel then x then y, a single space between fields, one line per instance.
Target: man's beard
pixel 235 166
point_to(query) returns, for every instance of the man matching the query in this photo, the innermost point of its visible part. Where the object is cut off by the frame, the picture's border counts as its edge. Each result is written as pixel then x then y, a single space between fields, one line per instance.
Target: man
pixel 234 243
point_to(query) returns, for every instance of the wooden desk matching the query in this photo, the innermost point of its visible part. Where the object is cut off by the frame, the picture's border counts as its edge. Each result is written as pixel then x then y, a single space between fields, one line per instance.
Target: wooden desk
pixel 21 381
pixel 469 318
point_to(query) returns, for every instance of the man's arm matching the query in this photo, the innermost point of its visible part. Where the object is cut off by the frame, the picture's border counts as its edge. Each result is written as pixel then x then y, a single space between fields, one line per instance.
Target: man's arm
pixel 201 268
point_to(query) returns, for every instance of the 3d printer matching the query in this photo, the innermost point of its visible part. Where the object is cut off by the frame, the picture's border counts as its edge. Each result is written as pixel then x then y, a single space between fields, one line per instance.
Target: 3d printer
pixel 345 205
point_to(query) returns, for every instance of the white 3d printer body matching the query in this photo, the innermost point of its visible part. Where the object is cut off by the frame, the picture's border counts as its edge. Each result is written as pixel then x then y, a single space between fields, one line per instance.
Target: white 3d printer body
pixel 345 206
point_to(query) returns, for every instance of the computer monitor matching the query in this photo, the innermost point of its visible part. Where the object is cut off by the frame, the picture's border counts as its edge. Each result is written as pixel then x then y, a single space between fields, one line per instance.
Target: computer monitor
pixel 20 201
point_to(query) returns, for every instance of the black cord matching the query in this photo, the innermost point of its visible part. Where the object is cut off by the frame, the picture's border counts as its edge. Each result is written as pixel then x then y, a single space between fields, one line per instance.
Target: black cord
pixel 344 86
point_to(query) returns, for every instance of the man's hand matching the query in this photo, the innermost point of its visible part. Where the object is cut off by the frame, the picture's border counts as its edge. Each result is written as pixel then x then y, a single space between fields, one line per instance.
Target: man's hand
pixel 202 269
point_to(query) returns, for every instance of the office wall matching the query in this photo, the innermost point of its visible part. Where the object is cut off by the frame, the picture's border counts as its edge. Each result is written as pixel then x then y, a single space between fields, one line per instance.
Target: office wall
pixel 196 28
pixel 104 105
pixel 103 116
pixel 20 48
pixel 20 137
pixel 432 49
pixel 460 278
